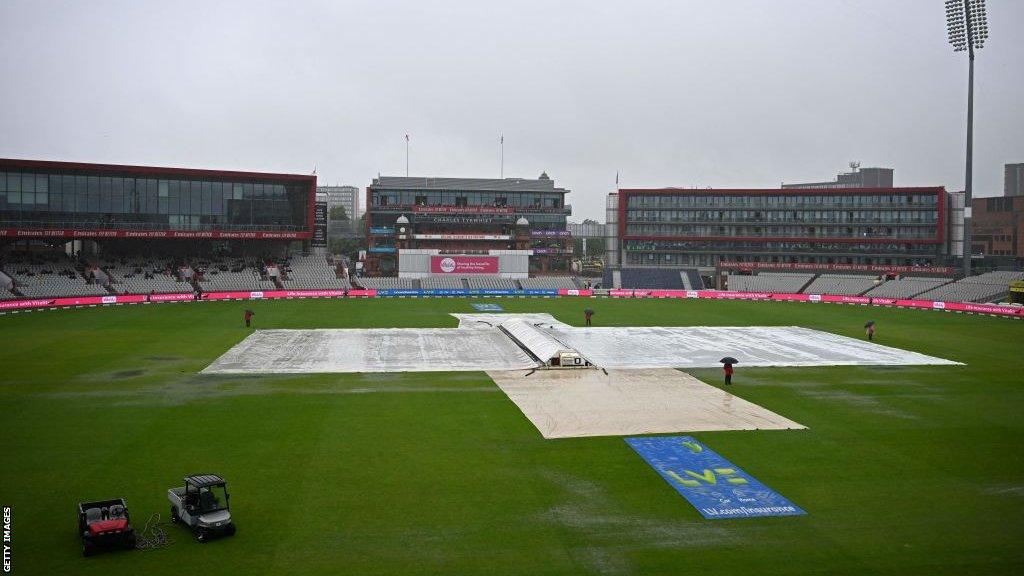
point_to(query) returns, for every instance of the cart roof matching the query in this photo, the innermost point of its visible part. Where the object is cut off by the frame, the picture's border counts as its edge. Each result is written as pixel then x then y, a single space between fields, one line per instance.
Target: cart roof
pixel 204 480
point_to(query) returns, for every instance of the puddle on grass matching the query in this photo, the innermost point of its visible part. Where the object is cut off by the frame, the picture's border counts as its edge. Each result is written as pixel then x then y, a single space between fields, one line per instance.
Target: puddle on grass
pixel 590 513
pixel 127 374
pixel 179 389
pixel 868 403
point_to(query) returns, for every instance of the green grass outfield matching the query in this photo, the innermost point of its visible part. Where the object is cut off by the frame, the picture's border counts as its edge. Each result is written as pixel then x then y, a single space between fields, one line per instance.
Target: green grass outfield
pixel 916 470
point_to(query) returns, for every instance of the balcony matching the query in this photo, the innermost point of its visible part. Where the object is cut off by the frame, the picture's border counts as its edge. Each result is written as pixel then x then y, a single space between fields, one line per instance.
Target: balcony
pixel 484 209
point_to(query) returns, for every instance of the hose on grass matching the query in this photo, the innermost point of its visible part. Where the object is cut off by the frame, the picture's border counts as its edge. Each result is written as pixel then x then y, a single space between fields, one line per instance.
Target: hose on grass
pixel 153 535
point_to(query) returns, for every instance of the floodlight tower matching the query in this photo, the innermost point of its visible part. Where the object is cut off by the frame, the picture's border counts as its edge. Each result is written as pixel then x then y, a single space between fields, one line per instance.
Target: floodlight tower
pixel 968 30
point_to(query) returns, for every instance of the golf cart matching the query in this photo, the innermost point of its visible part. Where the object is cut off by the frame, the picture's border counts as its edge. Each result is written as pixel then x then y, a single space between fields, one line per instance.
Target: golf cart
pixel 202 505
pixel 105 525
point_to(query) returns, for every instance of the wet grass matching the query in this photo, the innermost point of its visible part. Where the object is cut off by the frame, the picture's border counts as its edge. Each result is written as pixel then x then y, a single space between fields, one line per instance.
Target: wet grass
pixel 904 470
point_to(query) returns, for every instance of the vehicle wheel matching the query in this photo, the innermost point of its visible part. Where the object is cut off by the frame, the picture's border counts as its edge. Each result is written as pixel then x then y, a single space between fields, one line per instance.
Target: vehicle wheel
pixel 86 549
pixel 202 536
pixel 174 515
pixel 231 530
pixel 130 544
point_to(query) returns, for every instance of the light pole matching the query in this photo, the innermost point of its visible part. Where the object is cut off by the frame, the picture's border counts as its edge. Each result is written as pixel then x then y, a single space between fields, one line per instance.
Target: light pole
pixel 968 30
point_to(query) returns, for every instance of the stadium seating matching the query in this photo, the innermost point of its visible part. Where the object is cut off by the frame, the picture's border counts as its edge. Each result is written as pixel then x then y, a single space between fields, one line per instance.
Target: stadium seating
pixel 549 283
pixel 386 283
pixel 246 280
pixel 988 287
pixel 49 280
pixel 142 276
pixel 654 278
pixel 442 283
pixel 312 273
pixel 691 279
pixel 781 282
pixel 487 283
pixel 907 287
pixel 842 284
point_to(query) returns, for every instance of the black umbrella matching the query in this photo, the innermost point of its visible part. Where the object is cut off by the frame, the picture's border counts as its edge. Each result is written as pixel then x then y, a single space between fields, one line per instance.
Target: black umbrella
pixel 250 312
pixel 869 324
pixel 588 311
pixel 729 360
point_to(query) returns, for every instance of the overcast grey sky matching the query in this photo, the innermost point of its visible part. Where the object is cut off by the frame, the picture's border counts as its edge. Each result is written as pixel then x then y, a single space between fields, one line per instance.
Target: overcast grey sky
pixel 676 93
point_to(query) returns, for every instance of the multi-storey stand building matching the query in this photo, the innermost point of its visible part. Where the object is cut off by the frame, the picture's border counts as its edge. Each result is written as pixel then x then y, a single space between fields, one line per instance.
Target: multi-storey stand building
pixel 686 228
pixel 58 202
pixel 467 216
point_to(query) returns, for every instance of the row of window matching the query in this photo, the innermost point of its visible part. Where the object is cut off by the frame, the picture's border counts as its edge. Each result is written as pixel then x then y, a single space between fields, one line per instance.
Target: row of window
pixel 834 216
pixel 771 201
pixel 817 247
pixel 70 206
pixel 669 230
pixel 708 260
pixel 164 188
pixel 70 198
pixel 443 198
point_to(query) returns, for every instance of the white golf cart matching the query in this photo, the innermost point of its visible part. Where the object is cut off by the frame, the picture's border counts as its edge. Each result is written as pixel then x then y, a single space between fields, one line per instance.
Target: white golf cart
pixel 202 505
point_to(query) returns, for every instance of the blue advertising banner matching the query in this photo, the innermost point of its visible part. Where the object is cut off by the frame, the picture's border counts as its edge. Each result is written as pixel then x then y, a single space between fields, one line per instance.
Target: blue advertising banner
pixel 716 488
pixel 488 308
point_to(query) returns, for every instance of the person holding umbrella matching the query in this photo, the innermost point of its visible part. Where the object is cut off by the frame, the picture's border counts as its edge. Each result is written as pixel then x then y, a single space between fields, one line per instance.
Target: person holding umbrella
pixel 869 329
pixel 727 363
pixel 588 314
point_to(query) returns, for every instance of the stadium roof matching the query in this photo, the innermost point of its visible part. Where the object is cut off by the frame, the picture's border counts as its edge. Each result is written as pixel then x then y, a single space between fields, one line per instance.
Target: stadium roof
pixel 542 184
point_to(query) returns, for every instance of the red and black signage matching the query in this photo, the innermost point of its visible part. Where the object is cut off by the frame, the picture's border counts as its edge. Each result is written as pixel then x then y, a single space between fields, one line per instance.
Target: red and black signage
pixel 212 234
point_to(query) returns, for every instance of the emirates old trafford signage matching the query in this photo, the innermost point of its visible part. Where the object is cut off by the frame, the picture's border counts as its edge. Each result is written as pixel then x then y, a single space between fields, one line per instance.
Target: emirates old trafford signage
pixel 67 233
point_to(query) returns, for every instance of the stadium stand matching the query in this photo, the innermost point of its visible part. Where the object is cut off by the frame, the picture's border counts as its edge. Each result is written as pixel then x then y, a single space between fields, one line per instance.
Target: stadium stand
pixel 691 279
pixel 549 283
pixel 907 287
pixel 658 278
pixel 653 278
pixel 988 287
pixel 54 278
pixel 842 284
pixel 247 280
pixel 442 283
pixel 486 283
pixel 144 276
pixel 387 283
pixel 312 273
pixel 781 282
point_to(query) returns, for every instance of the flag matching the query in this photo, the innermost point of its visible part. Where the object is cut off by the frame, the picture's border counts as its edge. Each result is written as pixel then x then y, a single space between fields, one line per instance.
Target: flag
pixel 502 138
pixel 616 178
pixel 406 137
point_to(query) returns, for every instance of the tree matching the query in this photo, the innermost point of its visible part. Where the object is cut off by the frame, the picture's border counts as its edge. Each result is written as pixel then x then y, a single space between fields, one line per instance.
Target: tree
pixel 338 213
pixel 349 247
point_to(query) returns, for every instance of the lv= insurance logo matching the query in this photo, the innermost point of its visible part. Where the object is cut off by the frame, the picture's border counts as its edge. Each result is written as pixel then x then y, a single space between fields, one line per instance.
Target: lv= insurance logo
pixel 706 477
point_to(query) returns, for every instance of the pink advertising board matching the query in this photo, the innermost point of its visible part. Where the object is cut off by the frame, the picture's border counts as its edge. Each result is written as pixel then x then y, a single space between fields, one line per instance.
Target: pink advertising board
pixel 464 265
